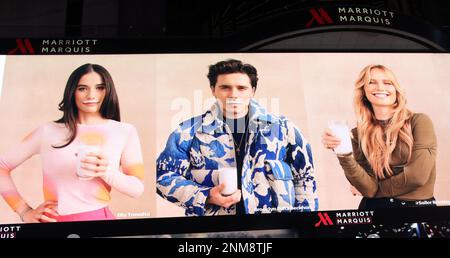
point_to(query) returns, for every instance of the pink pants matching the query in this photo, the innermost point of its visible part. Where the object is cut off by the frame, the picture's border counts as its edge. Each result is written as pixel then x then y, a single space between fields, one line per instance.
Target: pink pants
pixel 101 214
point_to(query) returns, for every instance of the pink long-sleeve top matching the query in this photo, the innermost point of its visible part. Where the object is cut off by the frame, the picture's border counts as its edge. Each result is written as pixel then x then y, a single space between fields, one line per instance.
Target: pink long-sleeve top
pixel 119 142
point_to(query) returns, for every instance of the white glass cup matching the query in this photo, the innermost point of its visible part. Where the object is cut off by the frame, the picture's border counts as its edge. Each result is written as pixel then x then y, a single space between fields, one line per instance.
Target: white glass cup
pixel 83 150
pixel 228 176
pixel 341 130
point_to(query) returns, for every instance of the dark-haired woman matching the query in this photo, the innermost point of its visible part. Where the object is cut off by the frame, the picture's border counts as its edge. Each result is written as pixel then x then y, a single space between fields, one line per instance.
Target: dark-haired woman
pixel 83 154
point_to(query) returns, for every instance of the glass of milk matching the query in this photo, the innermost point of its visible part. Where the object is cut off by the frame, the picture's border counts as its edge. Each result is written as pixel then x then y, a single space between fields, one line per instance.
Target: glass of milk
pixel 83 150
pixel 341 130
pixel 228 176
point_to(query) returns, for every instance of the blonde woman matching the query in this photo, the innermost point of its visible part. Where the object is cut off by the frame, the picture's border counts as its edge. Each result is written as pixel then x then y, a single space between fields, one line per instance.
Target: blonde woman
pixel 393 163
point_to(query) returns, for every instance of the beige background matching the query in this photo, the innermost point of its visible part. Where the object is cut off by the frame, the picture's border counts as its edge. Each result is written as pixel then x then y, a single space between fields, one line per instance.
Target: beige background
pixel 2 65
pixel 33 87
pixel 310 89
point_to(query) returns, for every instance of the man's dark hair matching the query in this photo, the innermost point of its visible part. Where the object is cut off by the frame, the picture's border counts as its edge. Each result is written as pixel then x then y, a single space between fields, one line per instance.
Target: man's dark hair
pixel 232 66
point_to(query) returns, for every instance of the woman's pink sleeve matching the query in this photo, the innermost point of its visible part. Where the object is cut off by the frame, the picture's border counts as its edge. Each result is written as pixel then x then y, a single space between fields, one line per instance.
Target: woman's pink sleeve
pixel 12 158
pixel 130 180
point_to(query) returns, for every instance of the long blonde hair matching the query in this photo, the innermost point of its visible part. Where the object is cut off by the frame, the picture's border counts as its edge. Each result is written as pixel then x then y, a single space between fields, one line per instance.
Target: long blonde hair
pixel 376 142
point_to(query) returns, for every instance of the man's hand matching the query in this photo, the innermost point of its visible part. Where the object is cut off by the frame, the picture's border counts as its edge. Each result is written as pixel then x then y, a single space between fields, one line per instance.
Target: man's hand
pixel 216 198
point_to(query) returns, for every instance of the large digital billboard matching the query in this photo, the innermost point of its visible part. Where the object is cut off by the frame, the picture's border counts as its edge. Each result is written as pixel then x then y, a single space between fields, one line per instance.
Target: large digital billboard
pixel 181 135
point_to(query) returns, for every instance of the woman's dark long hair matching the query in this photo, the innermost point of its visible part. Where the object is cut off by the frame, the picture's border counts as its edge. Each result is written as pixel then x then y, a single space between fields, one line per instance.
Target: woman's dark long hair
pixel 108 110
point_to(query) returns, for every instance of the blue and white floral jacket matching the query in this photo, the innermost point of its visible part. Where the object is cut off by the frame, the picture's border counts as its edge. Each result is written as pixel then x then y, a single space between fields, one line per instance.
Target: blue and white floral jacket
pixel 277 173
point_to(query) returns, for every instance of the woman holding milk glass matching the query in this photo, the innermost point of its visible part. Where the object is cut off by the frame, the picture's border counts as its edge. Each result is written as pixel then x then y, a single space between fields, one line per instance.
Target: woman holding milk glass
pixel 84 154
pixel 391 157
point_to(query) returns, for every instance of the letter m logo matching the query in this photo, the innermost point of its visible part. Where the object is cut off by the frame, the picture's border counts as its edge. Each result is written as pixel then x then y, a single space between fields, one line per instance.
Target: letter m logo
pixel 320 16
pixel 23 46
pixel 324 219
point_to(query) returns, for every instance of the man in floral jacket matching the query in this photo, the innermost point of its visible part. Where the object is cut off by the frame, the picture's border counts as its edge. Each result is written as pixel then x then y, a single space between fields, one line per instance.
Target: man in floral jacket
pixel 272 158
